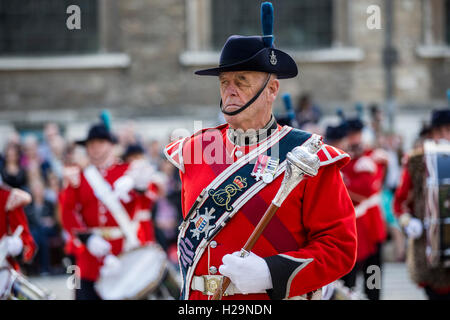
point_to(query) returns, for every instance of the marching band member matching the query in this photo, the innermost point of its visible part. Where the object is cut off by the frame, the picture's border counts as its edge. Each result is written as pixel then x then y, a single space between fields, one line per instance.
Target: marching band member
pixel 89 213
pixel 363 176
pixel 231 173
pixel 409 207
pixel 12 216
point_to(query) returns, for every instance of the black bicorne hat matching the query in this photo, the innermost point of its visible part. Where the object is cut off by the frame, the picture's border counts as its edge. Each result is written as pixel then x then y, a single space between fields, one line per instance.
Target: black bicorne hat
pixel 354 125
pixel 249 53
pixel 133 149
pixel 440 117
pixel 255 53
pixel 338 132
pixel 98 131
pixel 351 124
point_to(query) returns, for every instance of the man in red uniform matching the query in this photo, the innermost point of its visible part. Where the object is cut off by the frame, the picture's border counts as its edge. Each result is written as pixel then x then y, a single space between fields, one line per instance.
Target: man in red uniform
pixel 93 233
pixel 12 216
pixel 409 207
pixel 231 173
pixel 363 176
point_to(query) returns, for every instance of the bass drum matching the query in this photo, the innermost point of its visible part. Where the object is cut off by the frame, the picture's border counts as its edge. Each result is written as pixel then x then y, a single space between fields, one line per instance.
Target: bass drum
pixel 142 271
pixel 170 286
pixel 14 286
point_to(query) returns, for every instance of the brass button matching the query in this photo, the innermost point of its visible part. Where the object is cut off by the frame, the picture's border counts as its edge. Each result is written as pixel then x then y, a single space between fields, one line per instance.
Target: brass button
pixel 212 270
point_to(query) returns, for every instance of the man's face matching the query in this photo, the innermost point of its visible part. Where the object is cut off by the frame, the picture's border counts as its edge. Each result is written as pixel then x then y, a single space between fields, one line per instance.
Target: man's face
pixel 354 144
pixel 442 132
pixel 98 150
pixel 238 87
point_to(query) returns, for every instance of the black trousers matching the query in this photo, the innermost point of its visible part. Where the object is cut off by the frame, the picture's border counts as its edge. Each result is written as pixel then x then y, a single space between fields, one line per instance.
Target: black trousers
pixel 86 291
pixel 362 266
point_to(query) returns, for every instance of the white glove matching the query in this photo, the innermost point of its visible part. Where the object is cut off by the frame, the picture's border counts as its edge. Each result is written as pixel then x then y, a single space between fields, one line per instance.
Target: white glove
pixel 414 228
pixel 122 188
pixel 249 274
pixel 15 245
pixel 111 266
pixel 141 172
pixel 98 246
pixel 328 291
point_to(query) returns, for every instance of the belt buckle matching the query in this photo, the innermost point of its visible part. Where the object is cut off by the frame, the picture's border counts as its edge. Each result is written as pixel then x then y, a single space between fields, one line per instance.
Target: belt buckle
pixel 211 284
pixel 106 233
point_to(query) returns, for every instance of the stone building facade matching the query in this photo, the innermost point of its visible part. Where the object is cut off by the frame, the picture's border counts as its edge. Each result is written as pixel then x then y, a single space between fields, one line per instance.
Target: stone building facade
pixel 147 51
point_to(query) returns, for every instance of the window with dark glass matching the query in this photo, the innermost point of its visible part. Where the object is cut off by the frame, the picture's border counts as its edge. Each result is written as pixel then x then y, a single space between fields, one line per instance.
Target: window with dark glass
pixel 38 27
pixel 305 24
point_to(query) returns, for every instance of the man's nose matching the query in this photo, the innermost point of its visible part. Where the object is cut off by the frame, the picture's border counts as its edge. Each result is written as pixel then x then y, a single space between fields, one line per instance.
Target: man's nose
pixel 230 90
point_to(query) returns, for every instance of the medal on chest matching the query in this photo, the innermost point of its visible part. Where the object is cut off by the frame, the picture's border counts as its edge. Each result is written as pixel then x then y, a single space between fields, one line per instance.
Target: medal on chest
pixel 265 168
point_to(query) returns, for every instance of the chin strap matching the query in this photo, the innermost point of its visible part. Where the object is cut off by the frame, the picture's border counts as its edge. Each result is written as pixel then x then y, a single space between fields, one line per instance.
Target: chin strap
pixel 232 113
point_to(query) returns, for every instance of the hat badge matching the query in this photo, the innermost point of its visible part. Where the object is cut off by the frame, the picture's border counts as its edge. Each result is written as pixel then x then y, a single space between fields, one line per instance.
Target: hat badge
pixel 273 58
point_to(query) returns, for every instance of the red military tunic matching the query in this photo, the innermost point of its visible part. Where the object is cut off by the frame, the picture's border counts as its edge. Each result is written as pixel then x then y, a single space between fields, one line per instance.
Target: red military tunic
pixel 402 202
pixel 363 177
pixel 82 212
pixel 403 205
pixel 12 215
pixel 314 229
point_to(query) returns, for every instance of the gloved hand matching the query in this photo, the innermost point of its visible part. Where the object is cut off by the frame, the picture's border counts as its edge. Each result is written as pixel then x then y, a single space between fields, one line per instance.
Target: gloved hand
pixel 122 188
pixel 111 266
pixel 141 172
pixel 15 245
pixel 414 228
pixel 98 246
pixel 249 274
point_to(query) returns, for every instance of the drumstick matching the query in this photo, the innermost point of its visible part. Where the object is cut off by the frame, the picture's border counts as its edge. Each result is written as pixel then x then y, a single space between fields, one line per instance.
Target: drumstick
pixel 300 161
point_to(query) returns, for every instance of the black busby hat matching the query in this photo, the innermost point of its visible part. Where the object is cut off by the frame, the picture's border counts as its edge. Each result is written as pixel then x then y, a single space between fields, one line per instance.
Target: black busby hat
pixel 100 131
pixel 255 53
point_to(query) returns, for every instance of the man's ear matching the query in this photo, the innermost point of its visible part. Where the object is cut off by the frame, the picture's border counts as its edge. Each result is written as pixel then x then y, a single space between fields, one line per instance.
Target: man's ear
pixel 273 88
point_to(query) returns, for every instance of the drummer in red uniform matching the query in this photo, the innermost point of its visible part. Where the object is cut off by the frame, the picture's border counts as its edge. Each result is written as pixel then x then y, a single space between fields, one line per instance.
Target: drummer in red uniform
pixel 409 207
pixel 231 173
pixel 94 236
pixel 363 177
pixel 12 216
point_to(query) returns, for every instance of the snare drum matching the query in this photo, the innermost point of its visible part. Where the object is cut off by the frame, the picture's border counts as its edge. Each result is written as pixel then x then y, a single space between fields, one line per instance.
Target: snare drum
pixel 14 286
pixel 142 270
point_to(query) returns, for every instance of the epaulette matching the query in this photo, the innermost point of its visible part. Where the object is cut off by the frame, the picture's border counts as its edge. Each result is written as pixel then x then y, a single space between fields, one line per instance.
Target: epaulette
pixel 17 198
pixel 174 150
pixel 71 175
pixel 174 153
pixel 329 154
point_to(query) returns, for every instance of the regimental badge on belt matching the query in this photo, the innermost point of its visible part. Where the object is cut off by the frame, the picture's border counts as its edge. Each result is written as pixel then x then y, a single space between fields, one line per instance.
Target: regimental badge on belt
pixel 265 168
